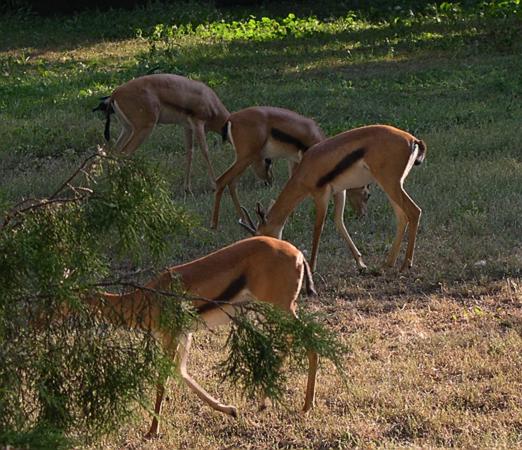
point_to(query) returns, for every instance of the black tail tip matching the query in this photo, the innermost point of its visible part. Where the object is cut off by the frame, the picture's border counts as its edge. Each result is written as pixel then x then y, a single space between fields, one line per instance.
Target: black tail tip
pixel 421 155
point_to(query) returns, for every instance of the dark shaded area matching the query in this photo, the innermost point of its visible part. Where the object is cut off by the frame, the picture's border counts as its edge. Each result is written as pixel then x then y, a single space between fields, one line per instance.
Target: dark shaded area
pixel 322 9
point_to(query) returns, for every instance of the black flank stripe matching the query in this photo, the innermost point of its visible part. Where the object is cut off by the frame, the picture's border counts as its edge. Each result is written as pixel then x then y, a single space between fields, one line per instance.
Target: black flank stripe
pixel 345 163
pixel 284 137
pixel 228 294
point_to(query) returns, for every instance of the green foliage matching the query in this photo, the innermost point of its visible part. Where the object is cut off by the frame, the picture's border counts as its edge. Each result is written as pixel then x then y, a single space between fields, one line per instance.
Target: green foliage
pixel 254 29
pixel 68 374
pixel 71 374
pixel 262 336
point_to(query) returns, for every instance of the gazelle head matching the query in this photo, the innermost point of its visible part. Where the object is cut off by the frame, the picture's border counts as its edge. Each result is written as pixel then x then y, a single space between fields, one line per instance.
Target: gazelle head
pixel 358 199
pixel 263 227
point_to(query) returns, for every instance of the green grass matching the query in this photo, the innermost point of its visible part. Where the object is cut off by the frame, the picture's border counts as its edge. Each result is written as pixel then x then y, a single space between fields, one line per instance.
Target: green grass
pixel 451 77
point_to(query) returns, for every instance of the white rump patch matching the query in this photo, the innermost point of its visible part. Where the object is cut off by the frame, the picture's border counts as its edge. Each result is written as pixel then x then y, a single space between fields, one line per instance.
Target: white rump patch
pixel 415 151
pixel 229 134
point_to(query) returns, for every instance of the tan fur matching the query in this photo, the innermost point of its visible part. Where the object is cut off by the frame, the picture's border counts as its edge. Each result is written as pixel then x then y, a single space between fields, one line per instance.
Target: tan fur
pixel 144 102
pixel 250 135
pixel 274 272
pixel 389 155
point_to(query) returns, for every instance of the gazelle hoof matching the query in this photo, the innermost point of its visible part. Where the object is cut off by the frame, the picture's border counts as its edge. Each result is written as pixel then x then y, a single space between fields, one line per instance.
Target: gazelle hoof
pixel 306 409
pixel 362 268
pixel 264 404
pixel 232 411
pixel 151 435
pixel 406 266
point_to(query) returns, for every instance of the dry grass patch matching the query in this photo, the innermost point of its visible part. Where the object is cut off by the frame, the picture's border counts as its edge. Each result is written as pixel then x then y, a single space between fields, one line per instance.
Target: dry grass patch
pixel 438 371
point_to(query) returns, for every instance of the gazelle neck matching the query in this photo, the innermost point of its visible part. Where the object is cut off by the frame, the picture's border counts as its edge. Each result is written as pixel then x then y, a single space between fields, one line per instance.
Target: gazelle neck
pixel 221 116
pixel 290 197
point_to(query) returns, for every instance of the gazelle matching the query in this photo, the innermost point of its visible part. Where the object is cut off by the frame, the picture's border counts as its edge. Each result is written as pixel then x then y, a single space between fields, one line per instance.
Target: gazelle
pixel 144 102
pixel 259 134
pixel 261 268
pixel 375 153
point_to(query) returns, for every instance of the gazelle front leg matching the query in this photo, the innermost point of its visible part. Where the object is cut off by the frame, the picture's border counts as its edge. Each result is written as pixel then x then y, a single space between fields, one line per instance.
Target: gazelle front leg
pixel 183 353
pixel 155 427
pixel 313 362
pixel 189 148
pixel 228 179
pixel 321 207
pixel 339 203
pixel 202 142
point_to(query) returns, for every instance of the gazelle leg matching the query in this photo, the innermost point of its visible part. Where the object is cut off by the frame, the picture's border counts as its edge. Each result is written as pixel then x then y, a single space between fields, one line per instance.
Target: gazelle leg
pixel 123 138
pixel 321 207
pixel 154 430
pixel 189 147
pixel 292 165
pixel 408 215
pixel 155 427
pixel 183 353
pixel 131 135
pixel 228 179
pixel 232 187
pixel 264 402
pixel 138 136
pixel 339 203
pixel 414 213
pixel 402 222
pixel 313 361
pixel 202 142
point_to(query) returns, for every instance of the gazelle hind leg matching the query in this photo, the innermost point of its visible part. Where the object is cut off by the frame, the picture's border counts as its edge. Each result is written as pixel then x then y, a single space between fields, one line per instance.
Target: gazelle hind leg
pixel 123 138
pixel 408 215
pixel 137 138
pixel 339 203
pixel 414 214
pixel 131 136
pixel 183 353
pixel 402 222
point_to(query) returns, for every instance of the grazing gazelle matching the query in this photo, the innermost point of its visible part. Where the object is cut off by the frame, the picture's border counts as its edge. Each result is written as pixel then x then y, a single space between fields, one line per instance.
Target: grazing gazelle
pixel 259 134
pixel 375 153
pixel 142 103
pixel 259 268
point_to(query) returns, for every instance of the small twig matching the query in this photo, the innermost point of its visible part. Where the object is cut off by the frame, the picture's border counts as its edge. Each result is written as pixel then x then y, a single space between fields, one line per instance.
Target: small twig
pixel 76 172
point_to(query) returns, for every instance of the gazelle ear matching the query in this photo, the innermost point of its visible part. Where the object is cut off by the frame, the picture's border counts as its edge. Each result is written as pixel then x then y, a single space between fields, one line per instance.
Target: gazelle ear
pixel 260 211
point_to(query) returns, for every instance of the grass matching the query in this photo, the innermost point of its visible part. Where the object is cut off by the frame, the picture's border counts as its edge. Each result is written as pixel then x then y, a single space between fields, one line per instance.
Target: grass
pixel 435 358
